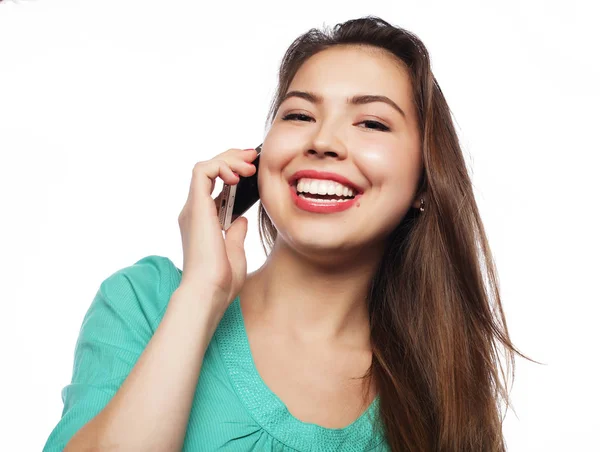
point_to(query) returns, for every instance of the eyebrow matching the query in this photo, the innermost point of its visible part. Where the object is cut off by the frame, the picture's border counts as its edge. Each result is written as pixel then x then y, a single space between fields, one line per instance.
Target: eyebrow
pixel 359 99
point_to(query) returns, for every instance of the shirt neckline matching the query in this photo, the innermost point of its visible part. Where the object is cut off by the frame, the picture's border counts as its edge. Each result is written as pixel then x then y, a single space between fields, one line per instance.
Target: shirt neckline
pixel 269 410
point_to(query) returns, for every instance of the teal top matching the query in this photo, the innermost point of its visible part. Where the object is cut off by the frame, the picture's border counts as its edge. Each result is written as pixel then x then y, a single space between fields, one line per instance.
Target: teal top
pixel 233 409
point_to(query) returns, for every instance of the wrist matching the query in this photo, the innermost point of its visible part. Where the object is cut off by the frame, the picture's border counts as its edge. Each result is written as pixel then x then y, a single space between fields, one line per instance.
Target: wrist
pixel 201 304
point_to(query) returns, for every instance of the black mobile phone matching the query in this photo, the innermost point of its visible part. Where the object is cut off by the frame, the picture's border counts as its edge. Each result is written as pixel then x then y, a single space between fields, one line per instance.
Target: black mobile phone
pixel 237 199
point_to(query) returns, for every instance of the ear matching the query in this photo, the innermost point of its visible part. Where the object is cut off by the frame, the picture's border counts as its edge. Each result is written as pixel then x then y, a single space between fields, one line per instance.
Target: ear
pixel 417 202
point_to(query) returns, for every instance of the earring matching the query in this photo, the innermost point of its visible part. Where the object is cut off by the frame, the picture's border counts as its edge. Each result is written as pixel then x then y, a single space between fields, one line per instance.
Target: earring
pixel 422 206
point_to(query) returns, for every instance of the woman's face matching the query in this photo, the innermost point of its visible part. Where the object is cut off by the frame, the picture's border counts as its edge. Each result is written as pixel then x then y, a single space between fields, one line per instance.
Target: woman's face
pixel 372 145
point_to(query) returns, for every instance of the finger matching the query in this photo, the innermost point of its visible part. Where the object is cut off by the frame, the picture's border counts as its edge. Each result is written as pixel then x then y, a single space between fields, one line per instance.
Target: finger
pixel 205 173
pixel 241 167
pixel 234 241
pixel 240 161
pixel 228 166
pixel 236 233
pixel 245 154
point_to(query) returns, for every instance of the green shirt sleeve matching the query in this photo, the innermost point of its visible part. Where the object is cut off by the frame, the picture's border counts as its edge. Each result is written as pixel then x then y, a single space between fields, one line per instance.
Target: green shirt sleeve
pixel 118 325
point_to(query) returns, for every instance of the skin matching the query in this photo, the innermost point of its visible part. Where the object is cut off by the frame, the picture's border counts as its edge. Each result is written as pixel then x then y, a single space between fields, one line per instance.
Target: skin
pixel 305 309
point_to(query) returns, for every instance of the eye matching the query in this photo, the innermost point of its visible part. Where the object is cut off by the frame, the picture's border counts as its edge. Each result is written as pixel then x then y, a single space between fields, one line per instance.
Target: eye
pixel 374 125
pixel 378 126
pixel 293 116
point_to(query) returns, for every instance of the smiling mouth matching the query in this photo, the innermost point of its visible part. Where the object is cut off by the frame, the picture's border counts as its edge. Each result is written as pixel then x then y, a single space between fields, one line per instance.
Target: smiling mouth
pixel 323 190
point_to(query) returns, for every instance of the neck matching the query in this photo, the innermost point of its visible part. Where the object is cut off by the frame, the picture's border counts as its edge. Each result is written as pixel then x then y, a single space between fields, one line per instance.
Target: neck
pixel 313 300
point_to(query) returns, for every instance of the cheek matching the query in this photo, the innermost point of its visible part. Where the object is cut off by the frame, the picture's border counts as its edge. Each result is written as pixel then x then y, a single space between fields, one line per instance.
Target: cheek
pixel 278 149
pixel 396 167
pixel 270 179
pixel 376 165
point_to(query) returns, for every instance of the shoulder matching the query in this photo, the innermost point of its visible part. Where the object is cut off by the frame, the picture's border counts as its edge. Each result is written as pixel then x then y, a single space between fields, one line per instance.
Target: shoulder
pixel 116 328
pixel 145 286
pixel 150 275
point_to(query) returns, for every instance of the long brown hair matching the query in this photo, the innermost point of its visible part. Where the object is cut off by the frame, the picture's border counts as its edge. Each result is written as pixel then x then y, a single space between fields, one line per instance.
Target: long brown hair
pixel 437 325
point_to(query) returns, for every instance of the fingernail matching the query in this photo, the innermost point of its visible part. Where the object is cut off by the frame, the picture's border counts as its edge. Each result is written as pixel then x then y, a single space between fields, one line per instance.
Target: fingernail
pixel 250 149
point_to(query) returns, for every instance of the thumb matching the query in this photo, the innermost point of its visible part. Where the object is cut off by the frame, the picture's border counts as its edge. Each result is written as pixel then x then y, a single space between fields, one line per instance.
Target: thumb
pixel 234 246
pixel 234 238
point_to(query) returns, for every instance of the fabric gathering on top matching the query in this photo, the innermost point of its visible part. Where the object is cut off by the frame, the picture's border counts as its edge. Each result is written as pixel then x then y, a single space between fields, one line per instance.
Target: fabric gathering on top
pixel 233 409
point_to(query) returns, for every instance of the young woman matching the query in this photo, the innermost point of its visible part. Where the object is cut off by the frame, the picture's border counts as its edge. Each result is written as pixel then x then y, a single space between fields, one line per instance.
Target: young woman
pixel 375 325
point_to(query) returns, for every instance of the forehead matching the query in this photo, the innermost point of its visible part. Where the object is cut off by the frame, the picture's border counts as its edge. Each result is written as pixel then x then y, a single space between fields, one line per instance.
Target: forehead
pixel 343 71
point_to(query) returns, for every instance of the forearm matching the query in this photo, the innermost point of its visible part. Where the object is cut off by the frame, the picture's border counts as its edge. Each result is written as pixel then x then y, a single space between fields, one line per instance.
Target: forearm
pixel 150 411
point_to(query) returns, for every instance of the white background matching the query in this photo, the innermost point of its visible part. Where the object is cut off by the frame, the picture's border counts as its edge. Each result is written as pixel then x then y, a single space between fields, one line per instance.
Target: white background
pixel 106 106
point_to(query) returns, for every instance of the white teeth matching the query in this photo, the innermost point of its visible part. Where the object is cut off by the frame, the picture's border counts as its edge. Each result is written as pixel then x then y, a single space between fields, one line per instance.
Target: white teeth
pixel 313 186
pixel 323 187
pixel 300 186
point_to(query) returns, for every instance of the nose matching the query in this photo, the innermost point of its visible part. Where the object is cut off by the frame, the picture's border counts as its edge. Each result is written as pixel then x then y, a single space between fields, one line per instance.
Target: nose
pixel 326 143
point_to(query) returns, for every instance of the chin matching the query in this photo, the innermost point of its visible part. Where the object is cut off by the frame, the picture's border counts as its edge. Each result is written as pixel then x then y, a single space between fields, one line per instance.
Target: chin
pixel 327 235
pixel 320 240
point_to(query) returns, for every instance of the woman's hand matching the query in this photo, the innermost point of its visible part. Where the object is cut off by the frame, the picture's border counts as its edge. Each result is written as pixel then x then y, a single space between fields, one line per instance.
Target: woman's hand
pixel 211 262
